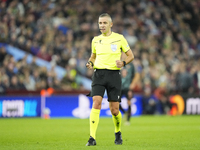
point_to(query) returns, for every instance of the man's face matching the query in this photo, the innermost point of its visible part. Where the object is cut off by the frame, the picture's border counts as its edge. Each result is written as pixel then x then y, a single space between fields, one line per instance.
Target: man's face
pixel 105 25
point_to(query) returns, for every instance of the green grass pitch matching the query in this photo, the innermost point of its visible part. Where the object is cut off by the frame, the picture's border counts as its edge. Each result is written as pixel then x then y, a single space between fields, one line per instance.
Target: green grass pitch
pixel 144 133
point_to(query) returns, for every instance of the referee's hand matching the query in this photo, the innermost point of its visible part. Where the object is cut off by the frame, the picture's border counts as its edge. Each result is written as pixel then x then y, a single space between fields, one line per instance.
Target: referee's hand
pixel 119 63
pixel 89 65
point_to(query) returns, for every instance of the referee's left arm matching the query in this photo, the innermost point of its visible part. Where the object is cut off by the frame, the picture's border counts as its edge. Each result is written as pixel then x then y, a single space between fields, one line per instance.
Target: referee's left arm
pixel 128 59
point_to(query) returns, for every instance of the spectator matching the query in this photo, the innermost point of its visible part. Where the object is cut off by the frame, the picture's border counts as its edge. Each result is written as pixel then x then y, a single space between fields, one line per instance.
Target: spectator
pixel 2 54
pixel 149 103
pixel 196 77
pixel 14 85
pixel 43 53
pixel 163 34
pixel 28 81
pixel 161 94
pixel 21 83
pixel 69 79
pixel 185 79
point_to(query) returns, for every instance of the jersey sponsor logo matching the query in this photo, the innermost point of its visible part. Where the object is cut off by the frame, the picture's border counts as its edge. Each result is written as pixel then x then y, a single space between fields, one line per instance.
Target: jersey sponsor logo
pixel 113 47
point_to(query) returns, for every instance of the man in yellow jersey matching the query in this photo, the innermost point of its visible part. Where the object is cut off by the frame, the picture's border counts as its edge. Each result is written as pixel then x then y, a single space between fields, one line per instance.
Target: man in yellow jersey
pixel 105 60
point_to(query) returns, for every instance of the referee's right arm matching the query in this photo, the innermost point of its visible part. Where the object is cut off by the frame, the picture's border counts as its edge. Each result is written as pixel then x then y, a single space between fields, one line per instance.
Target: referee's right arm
pixel 91 61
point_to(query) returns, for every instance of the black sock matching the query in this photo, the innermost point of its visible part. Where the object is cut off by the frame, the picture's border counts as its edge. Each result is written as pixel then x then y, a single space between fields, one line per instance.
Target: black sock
pixel 120 108
pixel 129 113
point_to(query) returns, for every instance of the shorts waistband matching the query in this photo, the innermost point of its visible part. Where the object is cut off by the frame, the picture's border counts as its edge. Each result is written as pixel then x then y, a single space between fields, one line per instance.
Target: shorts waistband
pixel 106 70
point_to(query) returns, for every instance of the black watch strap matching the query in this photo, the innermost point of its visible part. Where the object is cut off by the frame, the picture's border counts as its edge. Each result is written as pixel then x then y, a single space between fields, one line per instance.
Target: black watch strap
pixel 91 63
pixel 124 63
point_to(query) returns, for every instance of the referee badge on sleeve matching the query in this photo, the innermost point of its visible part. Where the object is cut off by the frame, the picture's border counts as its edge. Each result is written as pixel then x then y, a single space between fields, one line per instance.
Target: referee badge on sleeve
pixel 113 47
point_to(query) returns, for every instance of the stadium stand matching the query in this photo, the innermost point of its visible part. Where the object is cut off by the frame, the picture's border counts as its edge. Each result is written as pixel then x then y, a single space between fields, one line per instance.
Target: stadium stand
pixel 163 34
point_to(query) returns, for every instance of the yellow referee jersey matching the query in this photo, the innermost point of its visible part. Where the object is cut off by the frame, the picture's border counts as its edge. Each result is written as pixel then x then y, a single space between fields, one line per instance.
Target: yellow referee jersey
pixel 108 49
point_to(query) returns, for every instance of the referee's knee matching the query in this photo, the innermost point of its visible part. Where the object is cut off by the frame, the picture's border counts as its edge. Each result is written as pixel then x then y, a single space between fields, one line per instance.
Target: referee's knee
pixel 97 102
pixel 114 111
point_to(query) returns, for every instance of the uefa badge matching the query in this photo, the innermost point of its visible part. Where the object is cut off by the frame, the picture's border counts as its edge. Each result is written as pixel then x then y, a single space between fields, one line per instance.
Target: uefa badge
pixel 113 47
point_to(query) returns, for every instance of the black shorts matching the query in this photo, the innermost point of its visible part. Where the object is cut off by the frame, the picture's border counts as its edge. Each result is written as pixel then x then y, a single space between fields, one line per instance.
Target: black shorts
pixel 109 80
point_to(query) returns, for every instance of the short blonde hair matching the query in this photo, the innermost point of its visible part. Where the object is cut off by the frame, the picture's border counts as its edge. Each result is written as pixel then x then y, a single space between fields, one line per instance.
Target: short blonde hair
pixel 106 15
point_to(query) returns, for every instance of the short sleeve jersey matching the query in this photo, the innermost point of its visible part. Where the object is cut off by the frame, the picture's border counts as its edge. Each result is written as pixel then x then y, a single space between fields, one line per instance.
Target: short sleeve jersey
pixel 108 49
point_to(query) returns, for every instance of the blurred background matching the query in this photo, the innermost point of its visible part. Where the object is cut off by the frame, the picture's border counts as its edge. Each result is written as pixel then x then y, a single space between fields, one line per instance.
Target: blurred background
pixel 45 44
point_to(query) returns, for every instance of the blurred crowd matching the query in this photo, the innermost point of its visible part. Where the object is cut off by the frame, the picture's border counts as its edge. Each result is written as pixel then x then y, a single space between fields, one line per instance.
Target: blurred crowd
pixel 163 34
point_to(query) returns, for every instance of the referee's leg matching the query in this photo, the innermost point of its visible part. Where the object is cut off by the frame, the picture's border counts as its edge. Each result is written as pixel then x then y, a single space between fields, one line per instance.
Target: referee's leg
pixel 94 119
pixel 94 115
pixel 117 118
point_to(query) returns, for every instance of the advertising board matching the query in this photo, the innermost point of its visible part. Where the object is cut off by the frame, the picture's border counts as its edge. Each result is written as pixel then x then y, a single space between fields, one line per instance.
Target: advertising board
pixel 79 106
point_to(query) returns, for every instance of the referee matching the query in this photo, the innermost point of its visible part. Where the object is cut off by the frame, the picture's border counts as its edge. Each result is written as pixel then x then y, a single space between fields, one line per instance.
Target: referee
pixel 105 60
